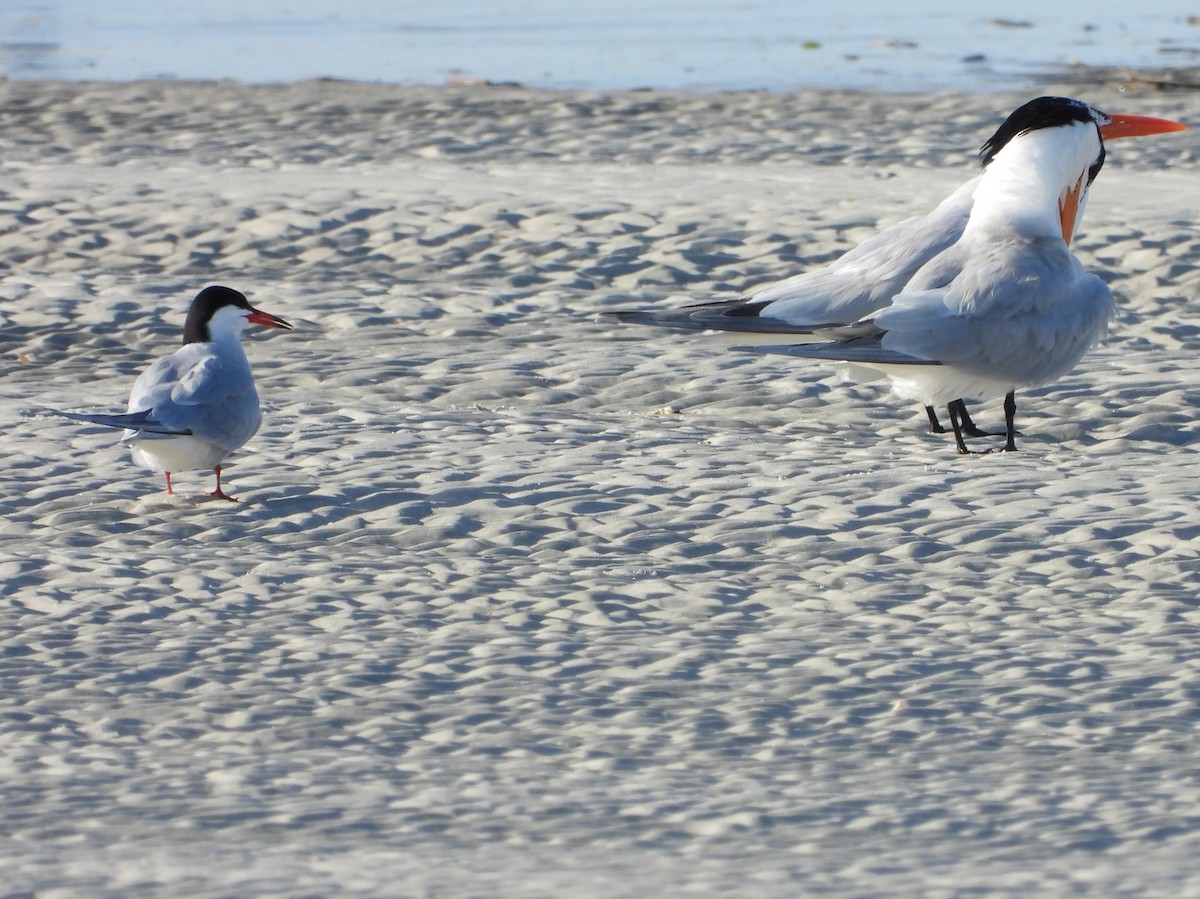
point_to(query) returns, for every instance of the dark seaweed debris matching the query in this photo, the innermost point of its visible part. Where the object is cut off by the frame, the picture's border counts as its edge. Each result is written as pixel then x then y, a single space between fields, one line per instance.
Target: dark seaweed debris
pixel 1178 78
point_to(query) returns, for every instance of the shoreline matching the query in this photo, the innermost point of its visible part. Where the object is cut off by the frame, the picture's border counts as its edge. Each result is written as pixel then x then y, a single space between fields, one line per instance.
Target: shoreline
pixel 1138 77
pixel 765 44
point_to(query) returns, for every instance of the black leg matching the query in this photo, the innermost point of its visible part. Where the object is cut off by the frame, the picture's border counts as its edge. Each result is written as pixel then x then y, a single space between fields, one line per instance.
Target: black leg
pixel 1010 414
pixel 968 426
pixel 935 426
pixel 956 408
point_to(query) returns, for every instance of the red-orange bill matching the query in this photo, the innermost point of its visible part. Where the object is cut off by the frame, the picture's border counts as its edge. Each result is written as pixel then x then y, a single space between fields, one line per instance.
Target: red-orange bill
pixel 1138 126
pixel 267 320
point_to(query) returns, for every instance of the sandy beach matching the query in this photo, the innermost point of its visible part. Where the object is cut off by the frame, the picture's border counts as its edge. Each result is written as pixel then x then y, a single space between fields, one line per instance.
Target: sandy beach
pixel 485 622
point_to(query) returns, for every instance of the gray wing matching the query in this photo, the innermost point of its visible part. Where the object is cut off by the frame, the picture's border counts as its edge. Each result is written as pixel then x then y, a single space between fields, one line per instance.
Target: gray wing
pixel 200 393
pixel 1023 314
pixel 1028 330
pixel 857 284
pixel 866 278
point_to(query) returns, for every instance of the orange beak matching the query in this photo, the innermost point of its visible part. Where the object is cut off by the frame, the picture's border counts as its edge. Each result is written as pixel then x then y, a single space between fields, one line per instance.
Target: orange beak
pixel 1068 210
pixel 267 320
pixel 1138 126
pixel 1120 126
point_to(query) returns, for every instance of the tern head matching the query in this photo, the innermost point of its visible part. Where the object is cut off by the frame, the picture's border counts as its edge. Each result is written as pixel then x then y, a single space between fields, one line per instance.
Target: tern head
pixel 1058 143
pixel 1064 112
pixel 219 311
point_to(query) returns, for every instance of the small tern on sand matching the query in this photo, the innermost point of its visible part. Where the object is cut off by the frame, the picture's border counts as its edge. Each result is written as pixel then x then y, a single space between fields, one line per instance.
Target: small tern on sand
pixel 193 408
pixel 976 250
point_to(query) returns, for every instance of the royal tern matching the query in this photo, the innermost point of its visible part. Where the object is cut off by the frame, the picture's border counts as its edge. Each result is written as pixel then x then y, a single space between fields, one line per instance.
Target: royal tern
pixel 921 250
pixel 193 408
pixel 1007 306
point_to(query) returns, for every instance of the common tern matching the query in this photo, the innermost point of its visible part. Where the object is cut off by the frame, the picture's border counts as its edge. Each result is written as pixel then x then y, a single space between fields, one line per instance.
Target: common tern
pixel 193 408
pixel 921 252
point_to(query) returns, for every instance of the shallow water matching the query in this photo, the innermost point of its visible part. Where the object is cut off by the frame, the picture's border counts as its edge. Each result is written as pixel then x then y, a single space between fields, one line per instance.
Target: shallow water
pixel 732 44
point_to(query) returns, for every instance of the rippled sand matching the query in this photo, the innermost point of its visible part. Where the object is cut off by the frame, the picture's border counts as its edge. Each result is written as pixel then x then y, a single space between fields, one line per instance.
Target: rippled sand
pixel 485 622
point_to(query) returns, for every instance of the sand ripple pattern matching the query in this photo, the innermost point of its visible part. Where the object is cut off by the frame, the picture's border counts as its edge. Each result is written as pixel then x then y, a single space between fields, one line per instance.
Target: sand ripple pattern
pixel 487 624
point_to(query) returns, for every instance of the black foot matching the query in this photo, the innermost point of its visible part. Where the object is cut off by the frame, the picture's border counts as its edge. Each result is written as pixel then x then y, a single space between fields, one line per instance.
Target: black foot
pixel 935 426
pixel 963 427
pixel 966 426
pixel 969 428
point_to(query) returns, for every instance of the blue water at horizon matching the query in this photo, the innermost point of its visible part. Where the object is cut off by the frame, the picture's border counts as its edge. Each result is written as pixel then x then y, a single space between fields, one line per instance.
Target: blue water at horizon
pixel 701 44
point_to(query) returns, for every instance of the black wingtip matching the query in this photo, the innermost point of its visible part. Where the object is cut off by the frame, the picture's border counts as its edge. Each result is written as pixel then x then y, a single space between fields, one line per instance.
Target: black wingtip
pixel 631 316
pixel 133 421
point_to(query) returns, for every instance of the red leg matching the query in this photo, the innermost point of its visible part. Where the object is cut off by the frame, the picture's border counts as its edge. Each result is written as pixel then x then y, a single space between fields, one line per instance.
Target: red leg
pixel 219 493
pixel 170 492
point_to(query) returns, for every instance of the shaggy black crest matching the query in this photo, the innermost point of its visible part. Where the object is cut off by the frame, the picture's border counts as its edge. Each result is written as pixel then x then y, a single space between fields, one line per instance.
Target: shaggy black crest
pixel 1044 112
pixel 205 306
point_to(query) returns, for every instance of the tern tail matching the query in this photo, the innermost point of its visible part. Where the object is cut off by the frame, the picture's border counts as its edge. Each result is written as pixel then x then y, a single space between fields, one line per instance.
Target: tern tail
pixel 133 421
pixel 737 315
pixel 865 349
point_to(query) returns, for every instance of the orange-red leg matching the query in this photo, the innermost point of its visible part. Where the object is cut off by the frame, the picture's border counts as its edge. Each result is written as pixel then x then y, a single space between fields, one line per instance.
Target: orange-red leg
pixel 219 493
